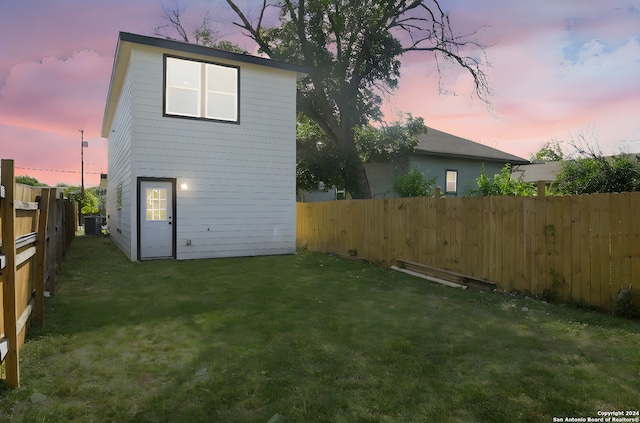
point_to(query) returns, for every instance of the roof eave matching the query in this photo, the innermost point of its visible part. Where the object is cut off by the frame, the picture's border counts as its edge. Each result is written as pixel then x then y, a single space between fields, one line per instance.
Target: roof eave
pixel 513 160
pixel 208 51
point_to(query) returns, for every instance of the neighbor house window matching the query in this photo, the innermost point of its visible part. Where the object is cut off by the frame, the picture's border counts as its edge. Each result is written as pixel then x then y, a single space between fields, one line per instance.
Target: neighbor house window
pixel 201 90
pixel 451 178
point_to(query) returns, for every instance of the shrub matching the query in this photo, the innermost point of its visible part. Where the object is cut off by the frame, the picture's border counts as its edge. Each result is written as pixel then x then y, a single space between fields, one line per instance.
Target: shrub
pixel 414 184
pixel 503 184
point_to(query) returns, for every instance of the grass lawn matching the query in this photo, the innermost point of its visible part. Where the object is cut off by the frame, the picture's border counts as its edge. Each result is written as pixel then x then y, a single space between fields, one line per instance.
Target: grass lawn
pixel 313 338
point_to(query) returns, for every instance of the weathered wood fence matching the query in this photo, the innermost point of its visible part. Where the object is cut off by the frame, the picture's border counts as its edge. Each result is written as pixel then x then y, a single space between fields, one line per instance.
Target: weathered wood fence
pixel 574 248
pixel 36 225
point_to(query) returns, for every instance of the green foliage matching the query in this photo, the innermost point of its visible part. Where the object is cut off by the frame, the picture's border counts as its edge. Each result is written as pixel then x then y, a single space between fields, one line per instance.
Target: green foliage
pixel 94 199
pixel 29 180
pixel 597 173
pixel 229 46
pixel 550 151
pixel 503 184
pixel 317 160
pixel 415 184
pixel 320 160
pixel 90 204
pixel 624 305
pixel 376 145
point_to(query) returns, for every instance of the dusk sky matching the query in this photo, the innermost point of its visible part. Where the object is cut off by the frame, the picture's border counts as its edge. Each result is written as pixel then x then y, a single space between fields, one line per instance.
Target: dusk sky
pixel 559 70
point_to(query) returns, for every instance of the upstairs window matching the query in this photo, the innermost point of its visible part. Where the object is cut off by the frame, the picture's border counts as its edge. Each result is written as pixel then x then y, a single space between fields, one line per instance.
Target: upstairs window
pixel 201 90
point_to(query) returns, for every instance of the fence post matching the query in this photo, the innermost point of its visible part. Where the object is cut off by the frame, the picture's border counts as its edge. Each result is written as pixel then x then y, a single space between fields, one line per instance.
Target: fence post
pixel 436 193
pixel 59 231
pixel 40 254
pixel 541 189
pixel 9 273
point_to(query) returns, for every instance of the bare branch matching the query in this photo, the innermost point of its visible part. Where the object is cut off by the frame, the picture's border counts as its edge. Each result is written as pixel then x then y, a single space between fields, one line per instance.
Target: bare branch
pixel 254 32
pixel 172 17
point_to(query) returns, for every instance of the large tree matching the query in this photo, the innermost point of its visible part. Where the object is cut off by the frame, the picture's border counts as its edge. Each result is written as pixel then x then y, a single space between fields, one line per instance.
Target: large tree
pixel 352 50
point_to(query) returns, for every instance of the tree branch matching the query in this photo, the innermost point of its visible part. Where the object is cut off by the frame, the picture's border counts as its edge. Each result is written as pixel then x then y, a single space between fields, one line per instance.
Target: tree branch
pixel 254 33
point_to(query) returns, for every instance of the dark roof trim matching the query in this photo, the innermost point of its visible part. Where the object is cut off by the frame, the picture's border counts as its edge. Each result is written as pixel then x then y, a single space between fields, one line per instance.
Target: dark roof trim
pixel 512 159
pixel 207 51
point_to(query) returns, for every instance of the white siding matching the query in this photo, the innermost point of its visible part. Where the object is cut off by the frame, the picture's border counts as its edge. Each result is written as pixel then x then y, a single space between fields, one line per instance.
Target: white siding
pixel 119 173
pixel 240 198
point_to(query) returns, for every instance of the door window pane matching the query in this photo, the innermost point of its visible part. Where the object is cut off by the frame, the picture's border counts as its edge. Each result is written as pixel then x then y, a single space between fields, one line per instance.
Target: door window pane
pixel 156 204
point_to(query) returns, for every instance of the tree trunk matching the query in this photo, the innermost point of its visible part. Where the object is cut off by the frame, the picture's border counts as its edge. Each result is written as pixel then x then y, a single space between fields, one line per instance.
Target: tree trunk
pixel 355 176
pixel 355 172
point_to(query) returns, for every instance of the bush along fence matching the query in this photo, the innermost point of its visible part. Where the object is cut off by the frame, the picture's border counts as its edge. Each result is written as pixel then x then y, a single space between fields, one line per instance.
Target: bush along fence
pixel 37 225
pixel 583 249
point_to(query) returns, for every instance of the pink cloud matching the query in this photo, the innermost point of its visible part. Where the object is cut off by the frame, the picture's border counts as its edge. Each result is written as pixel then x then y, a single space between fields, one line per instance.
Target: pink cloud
pixel 42 107
pixel 56 94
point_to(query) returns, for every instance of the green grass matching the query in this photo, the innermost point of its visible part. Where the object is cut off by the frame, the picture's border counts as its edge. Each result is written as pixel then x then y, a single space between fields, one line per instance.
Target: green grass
pixel 312 337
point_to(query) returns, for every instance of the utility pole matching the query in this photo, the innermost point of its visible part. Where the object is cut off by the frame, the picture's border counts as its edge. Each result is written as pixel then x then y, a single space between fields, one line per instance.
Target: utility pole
pixel 82 161
pixel 82 146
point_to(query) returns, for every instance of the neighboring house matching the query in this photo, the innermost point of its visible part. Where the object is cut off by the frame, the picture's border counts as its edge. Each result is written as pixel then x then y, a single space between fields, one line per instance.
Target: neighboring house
pixel 201 151
pixel 456 162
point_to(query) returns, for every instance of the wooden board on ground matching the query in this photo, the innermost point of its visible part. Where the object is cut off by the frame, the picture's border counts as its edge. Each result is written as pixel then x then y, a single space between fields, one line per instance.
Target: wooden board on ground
pixel 447 275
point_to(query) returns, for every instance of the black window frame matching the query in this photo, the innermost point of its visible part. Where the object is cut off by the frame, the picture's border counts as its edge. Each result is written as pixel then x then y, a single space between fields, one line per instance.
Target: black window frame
pixel 446 190
pixel 202 89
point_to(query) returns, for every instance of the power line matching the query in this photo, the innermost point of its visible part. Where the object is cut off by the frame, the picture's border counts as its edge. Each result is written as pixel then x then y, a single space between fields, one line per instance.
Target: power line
pixel 54 170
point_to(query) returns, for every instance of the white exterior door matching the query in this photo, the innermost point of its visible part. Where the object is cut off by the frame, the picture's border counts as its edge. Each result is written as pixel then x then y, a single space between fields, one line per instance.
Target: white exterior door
pixel 156 205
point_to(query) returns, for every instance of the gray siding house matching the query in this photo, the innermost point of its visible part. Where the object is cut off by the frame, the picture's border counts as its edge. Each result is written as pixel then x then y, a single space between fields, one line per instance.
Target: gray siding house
pixel 455 161
pixel 201 151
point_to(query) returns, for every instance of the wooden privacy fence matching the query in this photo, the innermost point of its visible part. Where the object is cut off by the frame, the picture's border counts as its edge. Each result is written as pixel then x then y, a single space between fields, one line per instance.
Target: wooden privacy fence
pixel 582 248
pixel 36 225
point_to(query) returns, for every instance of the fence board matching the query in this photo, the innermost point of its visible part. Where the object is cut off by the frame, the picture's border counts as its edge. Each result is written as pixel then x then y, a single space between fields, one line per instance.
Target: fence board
pixel 615 241
pixel 585 258
pixel 41 256
pixel 565 253
pixel 626 230
pixel 538 231
pixel 556 275
pixel 576 248
pixel 596 245
pixel 635 240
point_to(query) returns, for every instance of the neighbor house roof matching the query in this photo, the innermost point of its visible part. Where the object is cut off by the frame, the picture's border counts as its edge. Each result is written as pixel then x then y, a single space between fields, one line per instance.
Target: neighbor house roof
pixel 438 143
pixel 123 54
pixel 534 172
